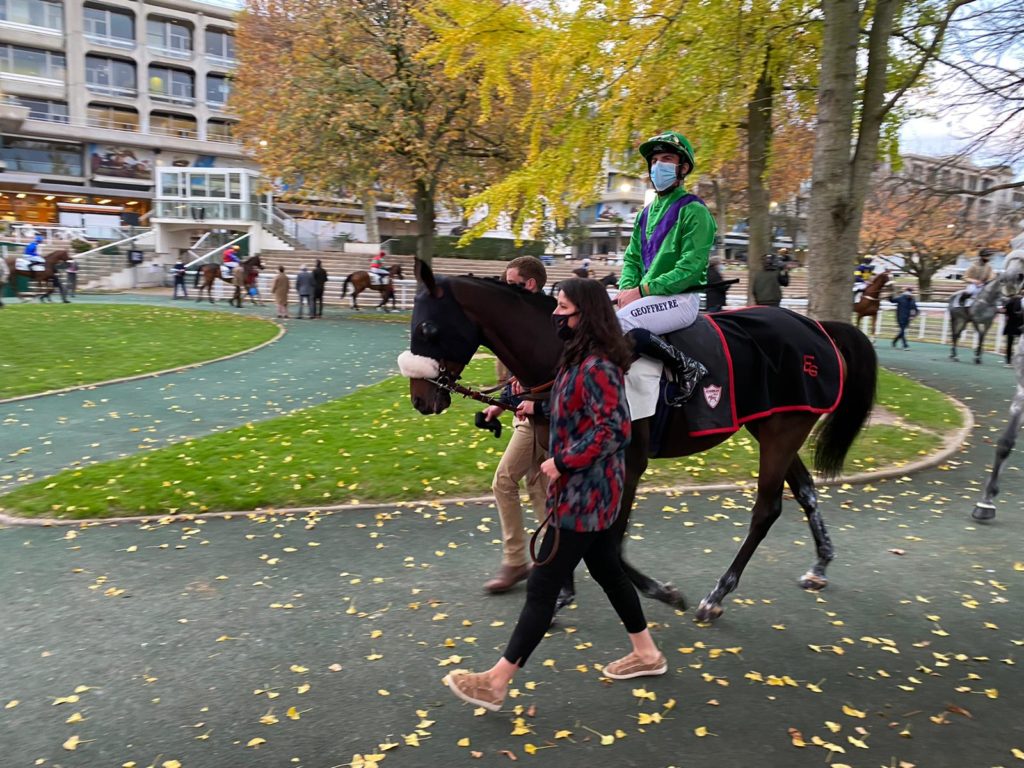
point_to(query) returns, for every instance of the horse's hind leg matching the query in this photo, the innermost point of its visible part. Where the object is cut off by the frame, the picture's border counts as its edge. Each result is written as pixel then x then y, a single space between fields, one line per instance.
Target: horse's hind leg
pixel 780 437
pixel 981 344
pixel 801 484
pixel 985 509
pixel 636 463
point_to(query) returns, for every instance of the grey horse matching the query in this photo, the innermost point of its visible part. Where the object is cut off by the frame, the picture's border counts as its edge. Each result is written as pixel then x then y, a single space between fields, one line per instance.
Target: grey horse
pixel 1011 283
pixel 980 313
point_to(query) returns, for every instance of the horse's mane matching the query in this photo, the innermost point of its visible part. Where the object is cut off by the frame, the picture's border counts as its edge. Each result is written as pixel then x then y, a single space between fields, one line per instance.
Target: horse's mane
pixel 541 300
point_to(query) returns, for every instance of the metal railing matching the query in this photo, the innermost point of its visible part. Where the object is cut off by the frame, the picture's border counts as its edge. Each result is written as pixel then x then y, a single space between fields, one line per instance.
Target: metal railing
pixel 210 256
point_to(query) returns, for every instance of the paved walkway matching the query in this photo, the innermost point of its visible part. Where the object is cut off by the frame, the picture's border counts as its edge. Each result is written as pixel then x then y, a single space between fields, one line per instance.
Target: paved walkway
pixel 315 361
pixel 310 640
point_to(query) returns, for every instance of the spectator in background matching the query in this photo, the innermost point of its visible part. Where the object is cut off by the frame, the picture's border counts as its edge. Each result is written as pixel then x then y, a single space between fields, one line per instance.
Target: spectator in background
pixel 179 279
pixel 304 286
pixel 238 281
pixel 72 270
pixel 906 310
pixel 5 274
pixel 319 285
pixel 280 290
pixel 1014 326
pixel 768 283
pixel 979 273
pixel 717 287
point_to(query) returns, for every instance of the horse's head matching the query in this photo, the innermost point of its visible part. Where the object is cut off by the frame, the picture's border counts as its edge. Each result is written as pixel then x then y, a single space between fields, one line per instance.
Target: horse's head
pixel 1012 280
pixel 254 262
pixel 443 341
pixel 55 257
pixel 396 272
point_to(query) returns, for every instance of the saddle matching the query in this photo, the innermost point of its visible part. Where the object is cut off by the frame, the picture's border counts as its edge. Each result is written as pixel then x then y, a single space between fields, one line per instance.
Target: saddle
pixel 379 278
pixel 785 362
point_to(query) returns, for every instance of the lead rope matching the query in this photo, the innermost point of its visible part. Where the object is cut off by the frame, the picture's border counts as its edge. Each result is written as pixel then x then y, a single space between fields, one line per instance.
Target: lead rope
pixel 552 517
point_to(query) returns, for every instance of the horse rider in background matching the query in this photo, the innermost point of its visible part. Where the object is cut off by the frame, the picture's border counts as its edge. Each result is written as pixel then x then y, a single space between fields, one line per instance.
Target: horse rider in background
pixel 977 275
pixel 666 261
pixel 33 255
pixel 379 274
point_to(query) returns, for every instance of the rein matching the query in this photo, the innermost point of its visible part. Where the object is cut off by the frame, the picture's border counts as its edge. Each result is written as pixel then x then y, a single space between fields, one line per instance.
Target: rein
pixel 450 383
pixel 550 520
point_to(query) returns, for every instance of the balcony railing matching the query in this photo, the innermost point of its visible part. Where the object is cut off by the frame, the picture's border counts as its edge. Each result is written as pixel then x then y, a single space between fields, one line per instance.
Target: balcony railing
pixel 170 53
pixel 221 61
pixel 123 43
pixel 203 210
pixel 181 133
pixel 113 90
pixel 40 166
pixel 171 99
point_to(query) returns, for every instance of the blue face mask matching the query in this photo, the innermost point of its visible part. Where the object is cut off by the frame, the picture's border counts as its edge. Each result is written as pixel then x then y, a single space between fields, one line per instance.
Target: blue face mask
pixel 664 175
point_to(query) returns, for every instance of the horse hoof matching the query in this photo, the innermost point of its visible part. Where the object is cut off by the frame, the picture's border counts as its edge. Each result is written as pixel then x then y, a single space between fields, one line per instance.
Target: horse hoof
pixel 984 512
pixel 708 611
pixel 812 582
pixel 670 595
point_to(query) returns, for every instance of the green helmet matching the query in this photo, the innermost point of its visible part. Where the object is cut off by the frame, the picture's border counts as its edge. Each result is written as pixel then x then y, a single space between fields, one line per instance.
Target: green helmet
pixel 669 141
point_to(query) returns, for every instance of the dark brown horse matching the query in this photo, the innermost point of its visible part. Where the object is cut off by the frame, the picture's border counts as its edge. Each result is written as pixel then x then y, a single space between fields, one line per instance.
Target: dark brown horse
pixel 44 279
pixel 870 300
pixel 208 274
pixel 360 281
pixel 453 316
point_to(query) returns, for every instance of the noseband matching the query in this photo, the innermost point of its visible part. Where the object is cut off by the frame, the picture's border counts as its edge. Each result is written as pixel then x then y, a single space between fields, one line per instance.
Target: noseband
pixel 448 381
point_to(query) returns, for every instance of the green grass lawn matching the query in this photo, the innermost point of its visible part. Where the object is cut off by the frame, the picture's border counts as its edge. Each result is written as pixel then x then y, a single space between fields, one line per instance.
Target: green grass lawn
pixel 62 345
pixel 372 446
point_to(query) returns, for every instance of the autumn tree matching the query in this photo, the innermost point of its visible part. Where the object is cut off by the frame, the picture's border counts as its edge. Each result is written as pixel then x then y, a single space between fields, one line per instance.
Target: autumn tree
pixel 333 96
pixel 602 75
pixel 928 232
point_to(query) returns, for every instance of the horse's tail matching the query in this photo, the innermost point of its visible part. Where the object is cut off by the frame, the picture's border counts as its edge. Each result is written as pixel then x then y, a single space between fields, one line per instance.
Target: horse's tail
pixel 344 286
pixel 842 426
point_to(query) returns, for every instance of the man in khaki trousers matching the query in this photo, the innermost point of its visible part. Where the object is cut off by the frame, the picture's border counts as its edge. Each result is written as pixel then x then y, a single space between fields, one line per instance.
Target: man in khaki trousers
pixel 522 458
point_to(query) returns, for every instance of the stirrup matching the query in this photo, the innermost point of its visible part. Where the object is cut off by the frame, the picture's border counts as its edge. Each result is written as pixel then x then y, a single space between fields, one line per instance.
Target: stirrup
pixel 687 383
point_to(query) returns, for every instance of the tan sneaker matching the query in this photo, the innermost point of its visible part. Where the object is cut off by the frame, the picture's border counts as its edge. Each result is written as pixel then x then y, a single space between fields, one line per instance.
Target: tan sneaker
pixel 633 666
pixel 474 688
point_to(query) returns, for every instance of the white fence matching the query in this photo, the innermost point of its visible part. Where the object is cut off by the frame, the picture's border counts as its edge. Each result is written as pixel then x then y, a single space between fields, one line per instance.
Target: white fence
pixel 931 324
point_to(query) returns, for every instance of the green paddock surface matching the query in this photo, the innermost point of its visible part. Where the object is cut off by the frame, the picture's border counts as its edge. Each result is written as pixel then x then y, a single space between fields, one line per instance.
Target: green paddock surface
pixel 321 640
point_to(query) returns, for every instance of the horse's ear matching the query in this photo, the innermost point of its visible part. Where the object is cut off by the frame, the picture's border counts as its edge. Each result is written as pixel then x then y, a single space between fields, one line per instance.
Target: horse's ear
pixel 425 275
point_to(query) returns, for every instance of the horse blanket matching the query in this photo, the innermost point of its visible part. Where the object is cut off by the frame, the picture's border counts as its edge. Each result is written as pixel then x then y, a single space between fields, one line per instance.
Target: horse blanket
pixel 784 361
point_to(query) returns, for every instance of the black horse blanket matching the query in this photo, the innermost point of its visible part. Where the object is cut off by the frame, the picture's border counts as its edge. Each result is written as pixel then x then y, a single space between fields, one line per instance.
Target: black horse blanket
pixel 760 361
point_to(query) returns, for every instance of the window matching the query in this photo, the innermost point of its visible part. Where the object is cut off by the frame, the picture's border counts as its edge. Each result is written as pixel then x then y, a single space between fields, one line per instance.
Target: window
pixel 986 183
pixel 218 88
pixel 115 118
pixel 45 109
pixel 32 62
pixel 109 26
pixel 220 45
pixel 33 13
pixel 168 84
pixel 170 124
pixel 110 76
pixel 42 156
pixel 171 38
pixel 220 130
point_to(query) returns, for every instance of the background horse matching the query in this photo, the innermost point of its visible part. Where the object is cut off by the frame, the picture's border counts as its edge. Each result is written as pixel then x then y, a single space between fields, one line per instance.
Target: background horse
pixel 44 279
pixel 980 313
pixel 453 316
pixel 1012 283
pixel 361 281
pixel 870 299
pixel 207 274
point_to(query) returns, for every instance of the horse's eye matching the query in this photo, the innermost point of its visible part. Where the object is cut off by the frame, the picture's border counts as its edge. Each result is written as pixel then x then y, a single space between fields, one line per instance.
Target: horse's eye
pixel 428 331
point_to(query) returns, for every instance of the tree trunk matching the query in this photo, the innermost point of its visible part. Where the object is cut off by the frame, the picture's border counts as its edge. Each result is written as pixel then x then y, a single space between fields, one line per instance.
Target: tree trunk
pixel 839 179
pixel 720 217
pixel 759 137
pixel 370 217
pixel 423 201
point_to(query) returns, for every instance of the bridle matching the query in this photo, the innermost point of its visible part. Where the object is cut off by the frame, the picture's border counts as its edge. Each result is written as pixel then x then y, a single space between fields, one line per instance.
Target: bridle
pixel 448 381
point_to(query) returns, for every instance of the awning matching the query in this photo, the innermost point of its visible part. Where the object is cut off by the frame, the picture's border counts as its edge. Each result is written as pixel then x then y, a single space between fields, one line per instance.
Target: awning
pixel 123 180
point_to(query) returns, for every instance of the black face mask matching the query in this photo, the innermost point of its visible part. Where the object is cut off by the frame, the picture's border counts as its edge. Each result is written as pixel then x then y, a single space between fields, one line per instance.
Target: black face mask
pixel 562 328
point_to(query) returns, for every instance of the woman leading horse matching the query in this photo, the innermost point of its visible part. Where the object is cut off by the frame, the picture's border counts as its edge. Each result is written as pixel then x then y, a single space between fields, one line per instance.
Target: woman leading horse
pixel 454 316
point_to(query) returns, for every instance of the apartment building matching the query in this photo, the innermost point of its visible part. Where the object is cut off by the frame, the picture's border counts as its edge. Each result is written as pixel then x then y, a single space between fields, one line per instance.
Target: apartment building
pixel 956 173
pixel 99 93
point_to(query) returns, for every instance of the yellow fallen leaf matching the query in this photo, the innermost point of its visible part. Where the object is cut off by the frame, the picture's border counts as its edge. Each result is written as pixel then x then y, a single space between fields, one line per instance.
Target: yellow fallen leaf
pixel 255 742
pixel 171 764
pixel 851 712
pixel 65 700
pixel 302 688
pixel 293 713
pixel 563 734
pixel 269 719
pixel 530 749
pixel 643 693
pixel 856 742
pixel 607 739
pixel 1019 754
pixel 11 704
pixel 82 689
pixel 298 669
pixel 701 731
pixel 834 727
pixel 464 742
pixel 75 718
pixel 72 743
pixel 383 692
pixel 412 740
pixel 1018 567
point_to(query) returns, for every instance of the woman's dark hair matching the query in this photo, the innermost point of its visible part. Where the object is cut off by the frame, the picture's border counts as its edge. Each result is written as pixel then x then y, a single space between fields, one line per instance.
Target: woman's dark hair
pixel 598 332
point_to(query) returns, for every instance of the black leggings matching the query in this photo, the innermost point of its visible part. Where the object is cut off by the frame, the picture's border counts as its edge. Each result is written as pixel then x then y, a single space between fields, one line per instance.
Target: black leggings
pixel 600 551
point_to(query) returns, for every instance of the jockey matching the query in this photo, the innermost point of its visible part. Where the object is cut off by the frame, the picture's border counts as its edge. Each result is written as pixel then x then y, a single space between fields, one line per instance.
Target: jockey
pixel 977 275
pixel 666 261
pixel 231 256
pixel 32 253
pixel 378 270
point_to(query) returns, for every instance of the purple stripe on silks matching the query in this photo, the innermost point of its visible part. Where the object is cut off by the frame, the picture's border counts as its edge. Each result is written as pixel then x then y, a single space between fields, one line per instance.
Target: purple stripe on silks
pixel 649 248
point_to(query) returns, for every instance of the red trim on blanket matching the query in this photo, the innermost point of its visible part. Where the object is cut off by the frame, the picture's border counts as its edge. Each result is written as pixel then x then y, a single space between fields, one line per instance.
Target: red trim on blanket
pixel 739 422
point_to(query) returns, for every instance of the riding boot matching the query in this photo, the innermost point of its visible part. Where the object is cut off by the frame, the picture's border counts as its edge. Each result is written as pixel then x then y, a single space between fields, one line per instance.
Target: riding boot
pixel 687 371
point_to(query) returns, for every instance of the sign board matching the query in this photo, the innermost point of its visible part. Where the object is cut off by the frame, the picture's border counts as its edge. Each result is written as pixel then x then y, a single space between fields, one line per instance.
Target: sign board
pixel 134 257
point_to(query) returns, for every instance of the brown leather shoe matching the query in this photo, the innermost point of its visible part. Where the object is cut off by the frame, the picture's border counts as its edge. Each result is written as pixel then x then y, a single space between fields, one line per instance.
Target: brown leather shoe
pixel 507 577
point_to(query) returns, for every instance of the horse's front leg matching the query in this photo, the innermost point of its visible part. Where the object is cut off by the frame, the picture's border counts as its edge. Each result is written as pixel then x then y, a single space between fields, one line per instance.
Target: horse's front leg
pixel 981 344
pixel 985 509
pixel 802 485
pixel 636 464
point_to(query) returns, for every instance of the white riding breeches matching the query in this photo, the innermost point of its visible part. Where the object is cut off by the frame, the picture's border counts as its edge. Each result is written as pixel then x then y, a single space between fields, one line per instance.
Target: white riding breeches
pixel 660 314
pixel 972 288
